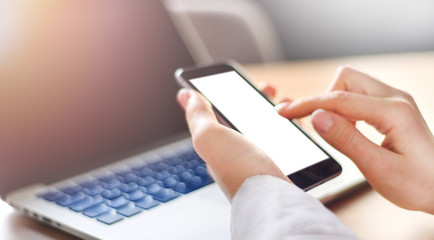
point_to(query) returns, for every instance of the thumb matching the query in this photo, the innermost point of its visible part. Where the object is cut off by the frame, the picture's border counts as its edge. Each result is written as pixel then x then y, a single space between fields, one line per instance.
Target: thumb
pixel 342 135
pixel 199 113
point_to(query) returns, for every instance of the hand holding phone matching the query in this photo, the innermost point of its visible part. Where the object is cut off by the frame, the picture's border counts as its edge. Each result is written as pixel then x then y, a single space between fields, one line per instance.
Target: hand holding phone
pixel 231 158
pixel 248 111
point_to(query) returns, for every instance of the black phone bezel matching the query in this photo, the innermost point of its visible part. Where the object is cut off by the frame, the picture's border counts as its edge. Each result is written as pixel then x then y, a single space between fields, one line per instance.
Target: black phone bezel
pixel 306 178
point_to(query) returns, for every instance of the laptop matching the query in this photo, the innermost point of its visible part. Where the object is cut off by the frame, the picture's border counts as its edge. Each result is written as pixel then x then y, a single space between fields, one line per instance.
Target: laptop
pixel 93 141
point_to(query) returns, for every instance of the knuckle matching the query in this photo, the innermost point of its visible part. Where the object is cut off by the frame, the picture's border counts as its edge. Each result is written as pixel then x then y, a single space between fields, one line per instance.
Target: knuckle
pixel 344 70
pixel 406 96
pixel 402 106
pixel 339 95
pixel 342 75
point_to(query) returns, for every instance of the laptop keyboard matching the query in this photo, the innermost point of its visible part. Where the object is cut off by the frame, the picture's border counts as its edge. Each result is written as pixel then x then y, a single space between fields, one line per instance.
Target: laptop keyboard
pixel 123 193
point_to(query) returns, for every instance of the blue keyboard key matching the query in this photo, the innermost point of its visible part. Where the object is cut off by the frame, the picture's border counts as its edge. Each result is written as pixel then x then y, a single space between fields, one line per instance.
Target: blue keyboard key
pixel 111 194
pixel 110 217
pixel 93 191
pixel 107 178
pixel 157 176
pixel 122 172
pixel 152 166
pixel 159 183
pixel 128 178
pixel 129 210
pixel 181 187
pixel 201 171
pixel 194 182
pixel 154 188
pixel 136 195
pixel 196 156
pixel 137 166
pixel 185 176
pixel 165 174
pixel 170 182
pixel 96 210
pixel 145 181
pixel 165 195
pixel 146 171
pixel 70 199
pixel 89 183
pixel 110 184
pixel 52 196
pixel 206 180
pixel 187 165
pixel 195 163
pixel 161 175
pixel 174 161
pixel 147 202
pixel 161 166
pixel 118 202
pixel 71 189
pixel 126 188
pixel 188 155
pixel 85 203
pixel 177 169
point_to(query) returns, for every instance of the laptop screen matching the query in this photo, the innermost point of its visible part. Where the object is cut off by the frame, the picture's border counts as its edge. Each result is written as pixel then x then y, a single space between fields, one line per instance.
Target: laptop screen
pixel 87 83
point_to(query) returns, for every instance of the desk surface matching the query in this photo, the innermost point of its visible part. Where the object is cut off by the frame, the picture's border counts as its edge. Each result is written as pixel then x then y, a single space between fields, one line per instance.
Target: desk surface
pixel 365 211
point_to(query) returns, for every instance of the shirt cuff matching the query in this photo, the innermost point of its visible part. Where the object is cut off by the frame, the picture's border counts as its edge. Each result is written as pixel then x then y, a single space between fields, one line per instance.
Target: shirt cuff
pixel 267 207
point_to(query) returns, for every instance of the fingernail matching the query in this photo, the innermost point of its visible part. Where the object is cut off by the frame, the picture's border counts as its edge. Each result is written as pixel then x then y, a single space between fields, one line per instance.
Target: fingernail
pixel 183 96
pixel 322 120
pixel 280 107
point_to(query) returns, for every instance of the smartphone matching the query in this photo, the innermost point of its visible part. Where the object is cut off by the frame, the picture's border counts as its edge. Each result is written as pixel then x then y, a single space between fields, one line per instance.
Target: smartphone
pixel 244 108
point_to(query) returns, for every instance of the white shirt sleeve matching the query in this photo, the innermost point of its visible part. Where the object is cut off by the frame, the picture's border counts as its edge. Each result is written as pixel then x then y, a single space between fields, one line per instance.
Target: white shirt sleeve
pixel 267 207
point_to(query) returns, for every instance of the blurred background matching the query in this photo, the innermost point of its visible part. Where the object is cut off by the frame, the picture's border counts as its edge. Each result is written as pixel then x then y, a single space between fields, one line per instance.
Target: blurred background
pixel 275 30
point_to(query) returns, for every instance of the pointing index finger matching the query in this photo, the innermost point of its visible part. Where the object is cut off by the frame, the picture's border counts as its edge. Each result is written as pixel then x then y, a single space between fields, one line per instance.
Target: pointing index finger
pixel 350 105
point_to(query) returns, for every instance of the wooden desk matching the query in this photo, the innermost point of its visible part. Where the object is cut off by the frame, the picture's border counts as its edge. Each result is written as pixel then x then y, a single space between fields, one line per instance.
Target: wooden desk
pixel 365 211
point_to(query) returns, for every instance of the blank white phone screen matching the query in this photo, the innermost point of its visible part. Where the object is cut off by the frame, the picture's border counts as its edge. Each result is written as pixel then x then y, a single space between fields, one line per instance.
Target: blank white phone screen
pixel 257 119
